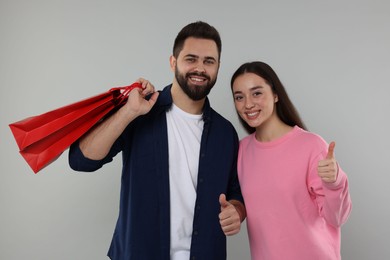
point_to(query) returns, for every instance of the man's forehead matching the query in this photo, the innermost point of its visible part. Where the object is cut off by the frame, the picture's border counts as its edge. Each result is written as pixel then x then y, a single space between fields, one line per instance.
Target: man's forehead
pixel 200 48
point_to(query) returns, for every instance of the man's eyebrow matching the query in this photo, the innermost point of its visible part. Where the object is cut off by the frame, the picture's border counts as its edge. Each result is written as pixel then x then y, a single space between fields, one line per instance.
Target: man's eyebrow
pixel 196 56
pixel 210 58
pixel 191 55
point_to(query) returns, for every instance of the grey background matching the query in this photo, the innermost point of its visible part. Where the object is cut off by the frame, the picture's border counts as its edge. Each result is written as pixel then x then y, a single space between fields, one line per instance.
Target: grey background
pixel 333 57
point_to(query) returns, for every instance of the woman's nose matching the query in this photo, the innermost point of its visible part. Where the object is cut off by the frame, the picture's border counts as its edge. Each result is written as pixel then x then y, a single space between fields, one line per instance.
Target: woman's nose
pixel 248 103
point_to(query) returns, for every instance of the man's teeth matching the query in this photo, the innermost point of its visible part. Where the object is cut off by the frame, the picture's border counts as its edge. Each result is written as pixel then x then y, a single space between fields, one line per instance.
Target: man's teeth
pixel 197 79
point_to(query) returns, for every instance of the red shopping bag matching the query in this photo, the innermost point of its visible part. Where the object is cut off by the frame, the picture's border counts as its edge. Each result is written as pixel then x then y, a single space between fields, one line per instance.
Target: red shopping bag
pixel 41 139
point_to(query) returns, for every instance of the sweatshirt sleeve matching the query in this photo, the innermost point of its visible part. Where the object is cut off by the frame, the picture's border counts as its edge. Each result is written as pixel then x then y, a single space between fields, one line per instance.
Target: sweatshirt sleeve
pixel 337 203
pixel 333 199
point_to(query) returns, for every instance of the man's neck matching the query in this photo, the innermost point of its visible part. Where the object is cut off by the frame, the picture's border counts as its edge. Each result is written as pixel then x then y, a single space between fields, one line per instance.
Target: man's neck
pixel 181 100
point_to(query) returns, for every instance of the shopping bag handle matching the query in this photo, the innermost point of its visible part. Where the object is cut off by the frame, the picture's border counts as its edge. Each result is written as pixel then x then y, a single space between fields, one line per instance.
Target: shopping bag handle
pixel 124 92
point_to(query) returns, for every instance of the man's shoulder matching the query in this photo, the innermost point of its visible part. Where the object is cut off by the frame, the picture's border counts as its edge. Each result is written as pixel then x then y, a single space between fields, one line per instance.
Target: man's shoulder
pixel 221 122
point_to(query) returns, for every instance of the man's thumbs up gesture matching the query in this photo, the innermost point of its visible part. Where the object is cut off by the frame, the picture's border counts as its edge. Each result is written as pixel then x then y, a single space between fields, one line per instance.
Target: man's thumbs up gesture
pixel 328 168
pixel 229 218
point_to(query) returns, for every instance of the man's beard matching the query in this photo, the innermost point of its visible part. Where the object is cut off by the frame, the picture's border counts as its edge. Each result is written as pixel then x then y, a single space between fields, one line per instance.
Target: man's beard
pixel 194 92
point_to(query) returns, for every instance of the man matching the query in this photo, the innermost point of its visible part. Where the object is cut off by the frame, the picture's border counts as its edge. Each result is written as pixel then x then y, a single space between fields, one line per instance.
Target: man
pixel 179 161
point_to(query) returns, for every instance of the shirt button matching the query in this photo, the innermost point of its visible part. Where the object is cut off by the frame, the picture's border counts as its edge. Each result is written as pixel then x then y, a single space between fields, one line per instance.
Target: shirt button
pixel 200 180
pixel 195 233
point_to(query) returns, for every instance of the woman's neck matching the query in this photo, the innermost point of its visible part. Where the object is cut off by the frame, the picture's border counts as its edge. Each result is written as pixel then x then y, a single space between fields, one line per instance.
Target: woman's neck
pixel 272 131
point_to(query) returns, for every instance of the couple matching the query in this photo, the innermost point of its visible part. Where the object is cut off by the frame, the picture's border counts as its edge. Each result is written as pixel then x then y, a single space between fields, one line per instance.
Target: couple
pixel 180 193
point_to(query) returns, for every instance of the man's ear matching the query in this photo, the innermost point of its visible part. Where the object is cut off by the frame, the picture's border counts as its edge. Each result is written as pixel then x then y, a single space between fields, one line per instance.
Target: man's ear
pixel 172 62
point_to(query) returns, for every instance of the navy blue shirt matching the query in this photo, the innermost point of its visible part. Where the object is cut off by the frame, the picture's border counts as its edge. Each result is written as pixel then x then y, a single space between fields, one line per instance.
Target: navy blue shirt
pixel 143 227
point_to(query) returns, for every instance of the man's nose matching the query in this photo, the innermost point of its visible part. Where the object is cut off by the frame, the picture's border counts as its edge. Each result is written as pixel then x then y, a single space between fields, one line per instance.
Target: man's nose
pixel 200 67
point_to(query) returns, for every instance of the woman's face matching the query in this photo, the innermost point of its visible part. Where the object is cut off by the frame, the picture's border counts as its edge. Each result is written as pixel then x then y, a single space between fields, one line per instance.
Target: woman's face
pixel 254 99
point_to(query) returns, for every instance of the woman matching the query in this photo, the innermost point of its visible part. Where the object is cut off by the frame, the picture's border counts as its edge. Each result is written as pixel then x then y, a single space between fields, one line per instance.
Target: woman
pixel 295 193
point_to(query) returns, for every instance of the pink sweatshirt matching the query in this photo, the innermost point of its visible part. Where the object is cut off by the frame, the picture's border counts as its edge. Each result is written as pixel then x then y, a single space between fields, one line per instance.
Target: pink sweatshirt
pixel 291 213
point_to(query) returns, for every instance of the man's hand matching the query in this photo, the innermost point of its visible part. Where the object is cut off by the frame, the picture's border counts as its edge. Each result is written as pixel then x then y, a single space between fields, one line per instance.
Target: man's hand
pixel 229 218
pixel 136 103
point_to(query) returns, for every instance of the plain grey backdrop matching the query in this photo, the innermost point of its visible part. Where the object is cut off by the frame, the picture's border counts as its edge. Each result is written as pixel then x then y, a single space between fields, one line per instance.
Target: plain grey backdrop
pixel 332 56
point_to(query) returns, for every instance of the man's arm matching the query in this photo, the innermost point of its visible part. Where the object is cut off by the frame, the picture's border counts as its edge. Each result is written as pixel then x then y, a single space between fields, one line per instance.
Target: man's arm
pixel 96 144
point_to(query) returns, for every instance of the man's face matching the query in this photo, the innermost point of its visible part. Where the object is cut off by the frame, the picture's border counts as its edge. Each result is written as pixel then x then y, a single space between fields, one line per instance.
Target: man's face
pixel 196 67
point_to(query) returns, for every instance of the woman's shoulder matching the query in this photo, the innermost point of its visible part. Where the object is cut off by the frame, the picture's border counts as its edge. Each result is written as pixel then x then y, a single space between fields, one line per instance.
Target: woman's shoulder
pixel 311 139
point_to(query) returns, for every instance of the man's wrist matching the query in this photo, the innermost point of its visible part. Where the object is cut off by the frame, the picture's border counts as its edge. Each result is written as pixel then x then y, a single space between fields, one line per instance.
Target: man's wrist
pixel 240 209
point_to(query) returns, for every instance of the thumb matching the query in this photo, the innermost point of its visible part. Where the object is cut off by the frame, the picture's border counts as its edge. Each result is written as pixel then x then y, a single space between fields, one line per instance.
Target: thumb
pixel 330 154
pixel 222 201
pixel 153 98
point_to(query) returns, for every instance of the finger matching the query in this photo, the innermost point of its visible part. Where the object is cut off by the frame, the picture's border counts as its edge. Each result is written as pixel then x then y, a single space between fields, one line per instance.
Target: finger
pixel 222 201
pixel 148 90
pixel 328 173
pixel 329 179
pixel 143 82
pixel 153 98
pixel 229 227
pixel 230 230
pixel 331 147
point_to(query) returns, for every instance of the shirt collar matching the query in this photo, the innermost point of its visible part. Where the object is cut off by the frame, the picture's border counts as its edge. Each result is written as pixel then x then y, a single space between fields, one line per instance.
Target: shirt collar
pixel 165 100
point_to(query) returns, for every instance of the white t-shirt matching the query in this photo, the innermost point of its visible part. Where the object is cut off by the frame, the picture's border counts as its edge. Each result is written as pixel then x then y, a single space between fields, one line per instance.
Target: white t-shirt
pixel 184 136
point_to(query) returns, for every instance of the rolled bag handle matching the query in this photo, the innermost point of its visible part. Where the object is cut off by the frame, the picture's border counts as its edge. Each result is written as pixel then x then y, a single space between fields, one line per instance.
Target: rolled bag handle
pixel 122 93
